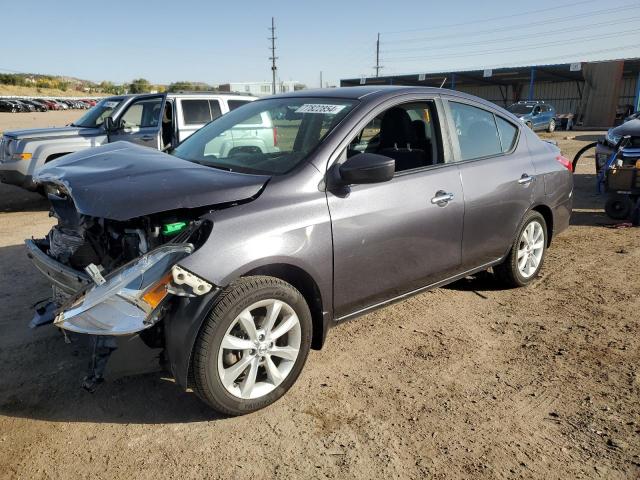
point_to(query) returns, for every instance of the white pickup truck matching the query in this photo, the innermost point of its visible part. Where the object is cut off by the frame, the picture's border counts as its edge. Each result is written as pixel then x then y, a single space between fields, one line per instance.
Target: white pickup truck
pixel 160 121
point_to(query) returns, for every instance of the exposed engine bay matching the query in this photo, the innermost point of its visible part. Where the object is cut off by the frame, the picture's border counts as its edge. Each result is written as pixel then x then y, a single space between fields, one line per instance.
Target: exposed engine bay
pixel 112 278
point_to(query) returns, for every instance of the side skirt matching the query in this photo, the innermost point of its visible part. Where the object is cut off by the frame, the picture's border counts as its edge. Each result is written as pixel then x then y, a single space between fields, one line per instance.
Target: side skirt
pixel 399 298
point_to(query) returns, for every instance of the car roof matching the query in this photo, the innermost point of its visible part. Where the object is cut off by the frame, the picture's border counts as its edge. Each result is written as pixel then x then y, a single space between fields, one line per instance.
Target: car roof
pixel 379 92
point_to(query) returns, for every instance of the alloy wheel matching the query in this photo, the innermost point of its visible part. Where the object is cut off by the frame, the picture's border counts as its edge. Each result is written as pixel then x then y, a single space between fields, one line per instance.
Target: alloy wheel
pixel 259 349
pixel 530 249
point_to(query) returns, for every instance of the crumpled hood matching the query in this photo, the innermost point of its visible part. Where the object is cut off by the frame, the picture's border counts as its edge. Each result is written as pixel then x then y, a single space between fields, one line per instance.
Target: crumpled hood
pixel 58 132
pixel 121 180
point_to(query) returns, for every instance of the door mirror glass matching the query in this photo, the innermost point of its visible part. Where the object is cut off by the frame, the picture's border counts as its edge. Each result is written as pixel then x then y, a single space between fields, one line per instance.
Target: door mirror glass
pixel 109 125
pixel 367 168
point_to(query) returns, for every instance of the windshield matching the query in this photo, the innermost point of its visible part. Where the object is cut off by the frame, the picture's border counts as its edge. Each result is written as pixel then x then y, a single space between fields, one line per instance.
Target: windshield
pixel 96 115
pixel 266 136
pixel 520 109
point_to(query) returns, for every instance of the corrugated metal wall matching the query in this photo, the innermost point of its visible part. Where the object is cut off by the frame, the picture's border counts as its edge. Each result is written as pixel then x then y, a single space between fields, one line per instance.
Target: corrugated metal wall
pixel 628 91
pixel 564 96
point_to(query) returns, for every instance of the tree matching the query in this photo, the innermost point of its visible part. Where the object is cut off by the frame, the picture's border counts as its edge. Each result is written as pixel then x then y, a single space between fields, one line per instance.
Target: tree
pixel 140 85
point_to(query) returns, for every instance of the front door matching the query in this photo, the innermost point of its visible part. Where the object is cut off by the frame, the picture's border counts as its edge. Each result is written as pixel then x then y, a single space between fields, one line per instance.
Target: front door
pixel 394 237
pixel 141 122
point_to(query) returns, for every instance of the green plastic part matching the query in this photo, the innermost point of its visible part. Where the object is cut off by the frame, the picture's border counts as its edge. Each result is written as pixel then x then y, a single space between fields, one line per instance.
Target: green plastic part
pixel 173 228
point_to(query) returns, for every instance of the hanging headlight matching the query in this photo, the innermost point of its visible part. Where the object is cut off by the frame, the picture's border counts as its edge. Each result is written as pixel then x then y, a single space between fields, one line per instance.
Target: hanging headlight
pixel 127 300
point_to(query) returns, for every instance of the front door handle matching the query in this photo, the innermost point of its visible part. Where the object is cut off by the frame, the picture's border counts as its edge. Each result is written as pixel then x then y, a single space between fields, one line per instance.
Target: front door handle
pixel 147 138
pixel 442 198
pixel 525 179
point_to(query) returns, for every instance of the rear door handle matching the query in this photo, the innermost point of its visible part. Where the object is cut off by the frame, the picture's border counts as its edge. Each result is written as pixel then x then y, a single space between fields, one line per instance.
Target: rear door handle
pixel 525 179
pixel 442 198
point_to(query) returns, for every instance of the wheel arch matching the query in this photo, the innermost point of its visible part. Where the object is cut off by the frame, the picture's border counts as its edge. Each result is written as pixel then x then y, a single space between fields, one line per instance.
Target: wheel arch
pixel 547 214
pixel 307 286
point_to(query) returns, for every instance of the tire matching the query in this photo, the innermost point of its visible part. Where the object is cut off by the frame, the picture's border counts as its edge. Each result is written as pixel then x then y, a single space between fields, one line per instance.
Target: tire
pixel 510 272
pixel 530 125
pixel 618 207
pixel 552 126
pixel 228 321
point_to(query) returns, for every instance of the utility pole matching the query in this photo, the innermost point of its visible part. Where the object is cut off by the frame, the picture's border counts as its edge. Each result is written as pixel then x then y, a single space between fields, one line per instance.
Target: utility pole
pixel 320 78
pixel 378 56
pixel 273 55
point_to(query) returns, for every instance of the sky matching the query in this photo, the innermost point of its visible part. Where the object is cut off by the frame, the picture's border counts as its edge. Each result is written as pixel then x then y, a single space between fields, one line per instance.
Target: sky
pixel 219 42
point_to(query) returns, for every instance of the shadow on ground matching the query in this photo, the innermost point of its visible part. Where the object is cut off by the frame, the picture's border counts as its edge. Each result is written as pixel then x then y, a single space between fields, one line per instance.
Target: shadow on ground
pixel 16 199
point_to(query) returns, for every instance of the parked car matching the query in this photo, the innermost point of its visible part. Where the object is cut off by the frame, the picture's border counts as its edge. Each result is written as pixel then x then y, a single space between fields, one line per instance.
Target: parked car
pixel 154 120
pixel 606 146
pixel 40 105
pixel 36 106
pixel 535 114
pixel 238 260
pixel 51 104
pixel 6 106
pixel 24 106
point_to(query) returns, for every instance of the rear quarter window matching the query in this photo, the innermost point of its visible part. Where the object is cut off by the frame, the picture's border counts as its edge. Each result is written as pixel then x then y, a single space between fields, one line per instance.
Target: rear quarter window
pixel 508 134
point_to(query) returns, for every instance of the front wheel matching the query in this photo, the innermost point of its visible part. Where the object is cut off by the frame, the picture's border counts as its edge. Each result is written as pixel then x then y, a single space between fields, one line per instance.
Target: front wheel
pixel 252 346
pixel 527 252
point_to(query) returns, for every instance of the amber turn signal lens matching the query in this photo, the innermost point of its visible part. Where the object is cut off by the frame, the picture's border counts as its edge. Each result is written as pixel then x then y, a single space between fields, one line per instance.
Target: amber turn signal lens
pixel 157 292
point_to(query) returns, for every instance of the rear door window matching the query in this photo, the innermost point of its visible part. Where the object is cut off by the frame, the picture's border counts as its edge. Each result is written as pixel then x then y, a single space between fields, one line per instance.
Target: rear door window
pixel 196 111
pixel 476 131
pixel 233 104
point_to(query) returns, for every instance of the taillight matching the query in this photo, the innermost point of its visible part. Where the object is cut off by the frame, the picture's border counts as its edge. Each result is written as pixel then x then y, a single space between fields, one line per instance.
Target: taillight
pixel 275 136
pixel 566 163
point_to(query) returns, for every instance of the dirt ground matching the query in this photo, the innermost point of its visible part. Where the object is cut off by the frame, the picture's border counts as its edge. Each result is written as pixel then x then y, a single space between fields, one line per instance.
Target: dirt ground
pixel 468 381
pixel 54 118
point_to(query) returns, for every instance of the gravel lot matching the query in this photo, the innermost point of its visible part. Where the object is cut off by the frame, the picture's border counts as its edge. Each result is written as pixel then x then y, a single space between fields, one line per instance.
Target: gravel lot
pixel 468 381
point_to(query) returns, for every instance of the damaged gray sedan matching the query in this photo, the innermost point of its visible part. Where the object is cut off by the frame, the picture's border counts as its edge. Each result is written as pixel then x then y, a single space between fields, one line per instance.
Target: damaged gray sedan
pixel 235 260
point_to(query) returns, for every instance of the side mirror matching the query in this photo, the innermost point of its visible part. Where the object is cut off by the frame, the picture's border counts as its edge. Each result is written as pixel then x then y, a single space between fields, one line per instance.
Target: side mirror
pixel 109 125
pixel 367 168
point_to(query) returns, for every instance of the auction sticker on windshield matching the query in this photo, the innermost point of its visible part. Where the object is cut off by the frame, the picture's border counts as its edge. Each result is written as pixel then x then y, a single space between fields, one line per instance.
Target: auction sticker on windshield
pixel 320 108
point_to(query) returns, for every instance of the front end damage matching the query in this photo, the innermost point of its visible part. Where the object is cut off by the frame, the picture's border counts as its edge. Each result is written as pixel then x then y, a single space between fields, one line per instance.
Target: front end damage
pixel 115 278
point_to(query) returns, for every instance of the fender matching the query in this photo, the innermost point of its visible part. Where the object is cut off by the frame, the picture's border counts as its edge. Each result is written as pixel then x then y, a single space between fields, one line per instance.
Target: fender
pixel 182 326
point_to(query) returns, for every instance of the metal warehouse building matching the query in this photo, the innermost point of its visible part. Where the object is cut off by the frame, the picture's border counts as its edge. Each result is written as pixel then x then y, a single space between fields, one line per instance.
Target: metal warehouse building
pixel 597 94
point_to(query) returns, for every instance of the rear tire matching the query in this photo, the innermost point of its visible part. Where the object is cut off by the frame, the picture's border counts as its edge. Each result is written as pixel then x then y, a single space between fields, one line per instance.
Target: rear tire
pixel 525 259
pixel 618 207
pixel 552 126
pixel 253 345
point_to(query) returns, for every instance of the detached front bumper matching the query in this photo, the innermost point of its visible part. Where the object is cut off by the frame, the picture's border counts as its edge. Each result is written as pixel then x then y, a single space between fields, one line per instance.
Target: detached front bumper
pixel 66 280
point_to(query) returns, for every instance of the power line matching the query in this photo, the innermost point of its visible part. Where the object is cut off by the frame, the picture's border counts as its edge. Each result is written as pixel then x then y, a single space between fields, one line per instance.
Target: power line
pixel 520 37
pixel 483 20
pixel 273 57
pixel 512 49
pixel 519 26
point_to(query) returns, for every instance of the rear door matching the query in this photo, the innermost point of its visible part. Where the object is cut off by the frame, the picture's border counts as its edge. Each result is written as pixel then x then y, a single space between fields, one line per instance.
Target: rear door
pixel 395 237
pixel 497 177
pixel 140 121
pixel 194 113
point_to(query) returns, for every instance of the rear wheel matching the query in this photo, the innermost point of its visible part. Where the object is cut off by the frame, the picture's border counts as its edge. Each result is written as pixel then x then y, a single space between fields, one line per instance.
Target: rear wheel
pixel 552 126
pixel 618 207
pixel 527 252
pixel 252 346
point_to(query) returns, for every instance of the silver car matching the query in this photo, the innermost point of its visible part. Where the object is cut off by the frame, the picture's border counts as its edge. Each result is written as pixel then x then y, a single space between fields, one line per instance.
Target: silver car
pixel 236 258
